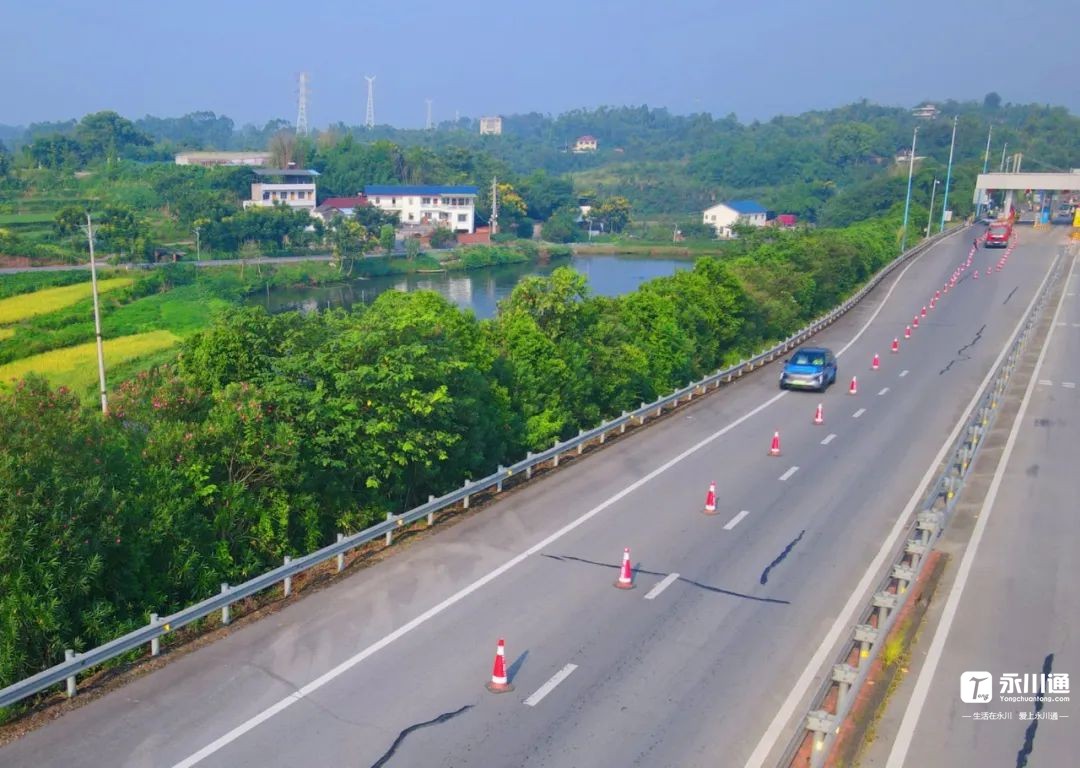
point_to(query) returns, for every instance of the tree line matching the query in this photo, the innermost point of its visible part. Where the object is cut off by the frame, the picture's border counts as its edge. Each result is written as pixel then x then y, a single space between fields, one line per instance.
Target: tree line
pixel 270 434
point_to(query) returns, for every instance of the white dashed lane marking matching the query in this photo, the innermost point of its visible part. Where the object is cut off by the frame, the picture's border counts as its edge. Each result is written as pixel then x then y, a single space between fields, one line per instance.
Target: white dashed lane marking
pixel 828 439
pixel 789 473
pixel 1069 384
pixel 884 391
pixel 903 373
pixel 736 520
pixel 1045 383
pixel 668 580
pixel 549 686
pixel 858 413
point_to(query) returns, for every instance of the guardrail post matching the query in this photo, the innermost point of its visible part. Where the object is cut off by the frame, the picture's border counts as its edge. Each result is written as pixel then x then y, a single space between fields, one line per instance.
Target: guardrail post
pixel 904 575
pixel 821 724
pixel 287 589
pixel 155 642
pixel 844 675
pixel 884 602
pixel 659 410
pixel 915 549
pixel 580 446
pixel 465 501
pixel 865 635
pixel 390 533
pixel 556 445
pixel 622 427
pixel 528 469
pixel 603 435
pixel 498 485
pixel 341 555
pixel 69 655
pixel 225 614
pixel 431 514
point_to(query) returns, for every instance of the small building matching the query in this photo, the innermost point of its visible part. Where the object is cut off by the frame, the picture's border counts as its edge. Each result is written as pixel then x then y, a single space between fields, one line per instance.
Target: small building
pixel 291 186
pixel 585 144
pixel 786 220
pixel 926 111
pixel 208 159
pixel 490 126
pixel 723 216
pixel 446 206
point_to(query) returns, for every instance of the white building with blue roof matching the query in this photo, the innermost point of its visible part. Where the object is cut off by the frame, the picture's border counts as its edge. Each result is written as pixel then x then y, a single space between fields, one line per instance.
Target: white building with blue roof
pixel 723 216
pixel 453 207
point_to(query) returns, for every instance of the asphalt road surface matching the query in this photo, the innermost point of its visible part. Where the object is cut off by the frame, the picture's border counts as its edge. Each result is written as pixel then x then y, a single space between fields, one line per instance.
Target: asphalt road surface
pixel 1011 613
pixel 388 666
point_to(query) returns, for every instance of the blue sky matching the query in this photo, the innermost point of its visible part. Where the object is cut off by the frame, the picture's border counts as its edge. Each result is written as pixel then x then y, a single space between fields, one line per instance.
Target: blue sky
pixel 756 59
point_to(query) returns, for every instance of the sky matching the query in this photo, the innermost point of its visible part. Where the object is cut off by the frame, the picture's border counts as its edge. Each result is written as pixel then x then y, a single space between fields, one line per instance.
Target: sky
pixel 239 58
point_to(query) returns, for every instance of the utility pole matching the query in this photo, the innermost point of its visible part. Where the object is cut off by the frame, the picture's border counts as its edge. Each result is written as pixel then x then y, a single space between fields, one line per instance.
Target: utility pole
pixel 1006 146
pixel 494 205
pixel 428 124
pixel 986 164
pixel 948 175
pixel 97 318
pixel 198 250
pixel 930 219
pixel 907 201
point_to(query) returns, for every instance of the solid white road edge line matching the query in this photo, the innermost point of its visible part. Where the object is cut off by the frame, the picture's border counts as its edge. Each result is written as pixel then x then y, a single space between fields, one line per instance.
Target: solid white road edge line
pixel 788 474
pixel 736 520
pixel 828 439
pixel 670 579
pixel 549 686
pixel 918 696
pixel 847 613
pixel 256 720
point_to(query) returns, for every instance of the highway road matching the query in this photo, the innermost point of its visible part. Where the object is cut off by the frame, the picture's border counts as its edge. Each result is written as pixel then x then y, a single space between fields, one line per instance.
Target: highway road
pixel 388 666
pixel 1011 609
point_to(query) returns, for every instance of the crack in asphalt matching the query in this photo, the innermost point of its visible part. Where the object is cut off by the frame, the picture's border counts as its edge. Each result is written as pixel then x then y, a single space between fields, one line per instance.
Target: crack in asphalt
pixel 1033 726
pixel 960 352
pixel 698 584
pixel 296 689
pixel 781 556
pixel 1009 296
pixel 416 726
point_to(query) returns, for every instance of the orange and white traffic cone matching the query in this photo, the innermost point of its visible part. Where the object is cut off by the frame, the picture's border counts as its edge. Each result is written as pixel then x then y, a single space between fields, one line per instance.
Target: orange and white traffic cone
pixel 895 346
pixel 774 448
pixel 937 294
pixel 923 313
pixel 499 682
pixel 915 322
pixel 907 331
pixel 819 415
pixel 626 575
pixel 854 388
pixel 875 363
pixel 975 275
pixel 710 499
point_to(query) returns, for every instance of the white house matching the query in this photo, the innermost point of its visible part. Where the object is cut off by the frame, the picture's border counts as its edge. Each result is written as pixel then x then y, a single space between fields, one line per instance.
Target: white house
pixel 585 144
pixel 490 126
pixel 291 186
pixel 447 206
pixel 723 215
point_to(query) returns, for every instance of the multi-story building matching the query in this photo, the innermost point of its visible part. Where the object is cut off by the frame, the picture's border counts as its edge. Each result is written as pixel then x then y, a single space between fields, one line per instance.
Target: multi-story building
pixel 585 144
pixel 490 126
pixel 446 206
pixel 291 186
pixel 255 159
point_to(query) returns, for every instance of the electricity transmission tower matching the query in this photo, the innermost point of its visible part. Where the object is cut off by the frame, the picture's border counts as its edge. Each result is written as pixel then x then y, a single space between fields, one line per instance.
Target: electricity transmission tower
pixel 369 116
pixel 301 109
pixel 428 102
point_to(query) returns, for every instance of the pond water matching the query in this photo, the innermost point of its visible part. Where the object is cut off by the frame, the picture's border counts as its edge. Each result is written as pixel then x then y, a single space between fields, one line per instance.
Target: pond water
pixel 480 289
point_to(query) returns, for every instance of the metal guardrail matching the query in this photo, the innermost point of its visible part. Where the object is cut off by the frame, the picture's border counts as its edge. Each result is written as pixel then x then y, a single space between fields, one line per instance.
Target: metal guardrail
pixel 75 663
pixel 880 614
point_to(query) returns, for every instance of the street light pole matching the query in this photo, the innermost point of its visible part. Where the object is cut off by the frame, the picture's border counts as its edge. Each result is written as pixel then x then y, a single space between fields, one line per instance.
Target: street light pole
pixel 930 219
pixel 948 176
pixel 986 165
pixel 907 201
pixel 97 318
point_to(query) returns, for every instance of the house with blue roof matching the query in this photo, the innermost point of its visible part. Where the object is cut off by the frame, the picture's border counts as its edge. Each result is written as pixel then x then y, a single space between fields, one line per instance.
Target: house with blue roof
pixel 450 206
pixel 723 216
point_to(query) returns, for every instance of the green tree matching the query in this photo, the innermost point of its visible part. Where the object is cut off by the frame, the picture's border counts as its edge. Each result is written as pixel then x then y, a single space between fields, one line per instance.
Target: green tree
pixel 562 227
pixel 106 135
pixel 412 248
pixel 387 237
pixel 614 212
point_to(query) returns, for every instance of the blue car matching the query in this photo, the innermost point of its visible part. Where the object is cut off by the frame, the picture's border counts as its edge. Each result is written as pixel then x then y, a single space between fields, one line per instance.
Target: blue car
pixel 809 368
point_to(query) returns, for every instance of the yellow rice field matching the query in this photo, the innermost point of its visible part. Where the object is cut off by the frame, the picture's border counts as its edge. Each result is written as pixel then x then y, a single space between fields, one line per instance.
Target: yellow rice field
pixel 16 308
pixel 76 367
